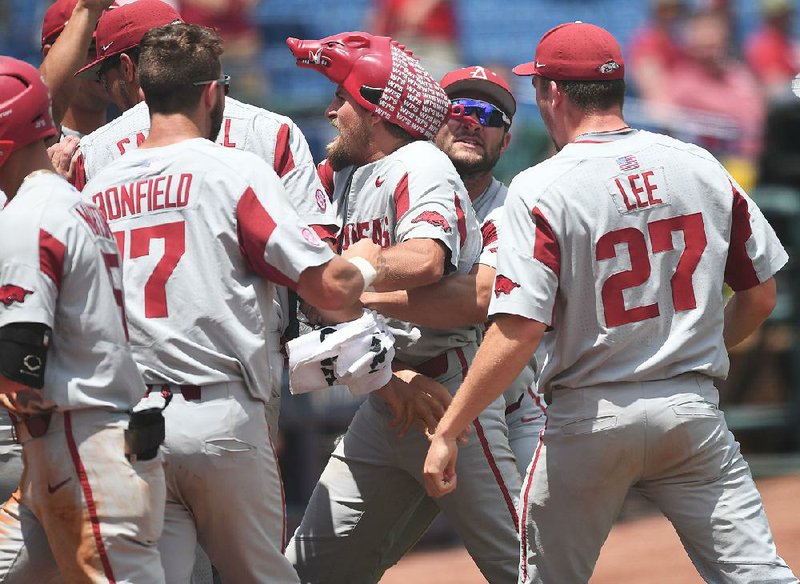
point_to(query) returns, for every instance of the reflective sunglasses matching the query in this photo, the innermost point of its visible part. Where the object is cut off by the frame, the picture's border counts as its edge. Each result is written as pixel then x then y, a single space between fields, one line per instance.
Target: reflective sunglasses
pixel 224 81
pixel 488 115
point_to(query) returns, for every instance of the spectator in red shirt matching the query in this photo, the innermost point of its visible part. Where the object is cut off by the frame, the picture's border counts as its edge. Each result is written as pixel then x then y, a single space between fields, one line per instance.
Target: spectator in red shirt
pixel 770 51
pixel 718 92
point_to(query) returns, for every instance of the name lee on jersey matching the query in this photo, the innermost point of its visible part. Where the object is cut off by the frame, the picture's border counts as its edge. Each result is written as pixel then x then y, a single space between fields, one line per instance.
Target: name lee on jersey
pixel 144 196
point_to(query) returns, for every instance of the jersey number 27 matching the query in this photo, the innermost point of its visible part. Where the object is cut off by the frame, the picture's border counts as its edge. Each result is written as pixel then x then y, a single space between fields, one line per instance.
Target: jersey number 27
pixel 660 232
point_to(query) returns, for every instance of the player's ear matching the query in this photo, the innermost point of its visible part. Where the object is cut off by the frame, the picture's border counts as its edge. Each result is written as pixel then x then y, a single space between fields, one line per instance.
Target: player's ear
pixel 127 68
pixel 506 141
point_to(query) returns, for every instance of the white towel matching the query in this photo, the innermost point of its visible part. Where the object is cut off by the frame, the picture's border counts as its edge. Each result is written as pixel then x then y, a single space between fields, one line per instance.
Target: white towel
pixel 357 354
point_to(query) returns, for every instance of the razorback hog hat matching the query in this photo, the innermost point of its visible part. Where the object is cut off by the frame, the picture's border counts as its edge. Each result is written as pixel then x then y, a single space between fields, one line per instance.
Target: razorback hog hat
pixel 24 107
pixel 576 51
pixel 122 27
pixel 381 75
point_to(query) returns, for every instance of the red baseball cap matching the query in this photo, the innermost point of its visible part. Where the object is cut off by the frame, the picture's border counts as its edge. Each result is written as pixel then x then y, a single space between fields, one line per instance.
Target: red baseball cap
pixel 576 51
pixel 122 27
pixel 482 80
pixel 55 19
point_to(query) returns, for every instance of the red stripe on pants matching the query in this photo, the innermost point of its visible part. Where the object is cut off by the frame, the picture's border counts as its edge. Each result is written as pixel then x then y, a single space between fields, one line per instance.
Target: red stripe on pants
pixel 87 494
pixel 498 477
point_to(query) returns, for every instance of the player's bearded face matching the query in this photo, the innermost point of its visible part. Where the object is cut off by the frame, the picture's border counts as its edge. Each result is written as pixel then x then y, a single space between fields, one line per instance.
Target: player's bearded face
pixel 350 146
pixel 472 148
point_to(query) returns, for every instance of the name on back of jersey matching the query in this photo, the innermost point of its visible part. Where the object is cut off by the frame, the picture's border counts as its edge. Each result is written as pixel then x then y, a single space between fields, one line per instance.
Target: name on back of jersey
pixel 148 195
pixel 639 191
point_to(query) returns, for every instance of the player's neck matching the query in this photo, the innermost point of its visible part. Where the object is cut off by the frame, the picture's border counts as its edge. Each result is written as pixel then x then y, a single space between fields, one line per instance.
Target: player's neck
pixel 477 184
pixel 167 129
pixel 600 122
pixel 83 121
pixel 21 164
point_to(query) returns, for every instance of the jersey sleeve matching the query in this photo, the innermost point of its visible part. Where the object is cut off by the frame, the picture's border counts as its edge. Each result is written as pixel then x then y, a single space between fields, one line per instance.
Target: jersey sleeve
pixel 528 261
pixel 490 239
pixel 429 208
pixel 295 167
pixel 755 253
pixel 30 277
pixel 276 242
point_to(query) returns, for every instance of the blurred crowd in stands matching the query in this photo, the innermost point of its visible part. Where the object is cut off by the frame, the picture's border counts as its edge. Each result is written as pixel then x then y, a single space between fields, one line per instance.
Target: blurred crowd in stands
pixel 716 72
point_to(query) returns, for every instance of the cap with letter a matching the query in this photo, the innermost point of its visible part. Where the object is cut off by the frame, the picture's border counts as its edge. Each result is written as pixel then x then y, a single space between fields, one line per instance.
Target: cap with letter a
pixel 481 80
pixel 576 51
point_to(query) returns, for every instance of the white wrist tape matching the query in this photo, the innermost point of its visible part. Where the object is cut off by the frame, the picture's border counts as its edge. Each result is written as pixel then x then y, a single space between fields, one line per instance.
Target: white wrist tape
pixel 368 272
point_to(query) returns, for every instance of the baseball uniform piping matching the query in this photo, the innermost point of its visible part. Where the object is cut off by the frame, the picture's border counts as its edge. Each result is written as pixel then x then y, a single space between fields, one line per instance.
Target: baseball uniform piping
pixel 487 452
pixel 87 494
pixel 283 494
pixel 523 526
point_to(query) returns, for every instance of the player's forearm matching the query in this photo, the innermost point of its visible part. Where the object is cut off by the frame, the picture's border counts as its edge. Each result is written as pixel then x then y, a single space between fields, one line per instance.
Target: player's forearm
pixel 412 263
pixel 68 54
pixel 333 288
pixel 507 348
pixel 456 300
pixel 747 310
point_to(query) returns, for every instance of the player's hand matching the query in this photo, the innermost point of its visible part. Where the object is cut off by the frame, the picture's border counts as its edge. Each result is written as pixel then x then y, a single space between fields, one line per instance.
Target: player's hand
pixel 63 155
pixel 430 401
pixel 27 401
pixel 370 251
pixel 95 5
pixel 439 471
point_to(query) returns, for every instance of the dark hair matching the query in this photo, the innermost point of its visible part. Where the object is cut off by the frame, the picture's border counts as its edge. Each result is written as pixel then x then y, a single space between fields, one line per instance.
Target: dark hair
pixel 172 58
pixel 114 60
pixel 593 96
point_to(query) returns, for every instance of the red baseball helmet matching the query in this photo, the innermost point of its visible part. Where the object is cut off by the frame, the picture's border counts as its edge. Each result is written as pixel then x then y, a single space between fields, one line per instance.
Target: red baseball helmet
pixel 25 114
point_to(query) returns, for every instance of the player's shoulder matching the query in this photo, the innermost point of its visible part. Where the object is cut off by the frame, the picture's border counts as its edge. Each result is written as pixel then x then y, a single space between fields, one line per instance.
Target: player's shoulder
pixel 422 159
pixel 235 109
pixel 534 181
pixel 46 199
pixel 135 119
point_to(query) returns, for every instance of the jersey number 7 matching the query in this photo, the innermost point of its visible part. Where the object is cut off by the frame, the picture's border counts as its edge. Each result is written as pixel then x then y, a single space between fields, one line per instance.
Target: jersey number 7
pixel 155 289
pixel 660 231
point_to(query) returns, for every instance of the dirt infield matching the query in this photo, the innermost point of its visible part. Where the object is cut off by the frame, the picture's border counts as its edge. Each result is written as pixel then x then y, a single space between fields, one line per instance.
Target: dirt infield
pixel 645 549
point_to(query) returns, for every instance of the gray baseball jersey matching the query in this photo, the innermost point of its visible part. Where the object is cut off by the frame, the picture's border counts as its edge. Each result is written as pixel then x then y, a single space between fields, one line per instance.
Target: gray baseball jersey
pixel 59 266
pixel 413 193
pixel 162 203
pixel 657 242
pixel 620 243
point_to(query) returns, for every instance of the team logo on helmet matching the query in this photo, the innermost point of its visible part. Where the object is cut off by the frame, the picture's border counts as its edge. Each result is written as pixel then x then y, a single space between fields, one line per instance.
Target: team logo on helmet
pixel 10 293
pixel 504 285
pixel 433 218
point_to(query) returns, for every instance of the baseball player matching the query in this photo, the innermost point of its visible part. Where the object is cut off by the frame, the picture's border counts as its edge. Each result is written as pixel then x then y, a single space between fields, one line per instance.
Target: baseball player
pixel 620 245
pixel 393 186
pixel 474 142
pixel 94 484
pixel 273 137
pixel 205 234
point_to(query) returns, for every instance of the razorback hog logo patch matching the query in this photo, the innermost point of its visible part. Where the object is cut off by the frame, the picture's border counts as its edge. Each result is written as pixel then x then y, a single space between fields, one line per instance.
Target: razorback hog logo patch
pixel 433 218
pixel 504 285
pixel 10 293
